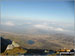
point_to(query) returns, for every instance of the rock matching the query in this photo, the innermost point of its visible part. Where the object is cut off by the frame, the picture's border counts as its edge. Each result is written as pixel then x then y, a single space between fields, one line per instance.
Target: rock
pixel 15 44
pixel 4 43
pixel 10 47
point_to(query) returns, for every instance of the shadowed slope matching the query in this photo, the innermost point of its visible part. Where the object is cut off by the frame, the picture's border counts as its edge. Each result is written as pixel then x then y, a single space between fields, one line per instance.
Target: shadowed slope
pixel 4 43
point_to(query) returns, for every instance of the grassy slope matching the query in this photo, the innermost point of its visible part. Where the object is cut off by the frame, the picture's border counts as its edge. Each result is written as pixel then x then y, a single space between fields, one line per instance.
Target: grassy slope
pixel 15 51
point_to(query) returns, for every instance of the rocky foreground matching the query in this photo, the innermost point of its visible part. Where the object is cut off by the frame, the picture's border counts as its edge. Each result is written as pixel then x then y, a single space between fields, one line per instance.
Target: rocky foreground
pixel 9 47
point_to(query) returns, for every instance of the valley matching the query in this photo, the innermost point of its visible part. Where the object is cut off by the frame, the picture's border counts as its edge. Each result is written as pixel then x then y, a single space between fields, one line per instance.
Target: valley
pixel 41 41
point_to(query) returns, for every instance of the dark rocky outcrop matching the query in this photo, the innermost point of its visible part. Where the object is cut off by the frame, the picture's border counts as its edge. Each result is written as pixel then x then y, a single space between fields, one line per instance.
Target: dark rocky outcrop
pixel 13 45
pixel 4 43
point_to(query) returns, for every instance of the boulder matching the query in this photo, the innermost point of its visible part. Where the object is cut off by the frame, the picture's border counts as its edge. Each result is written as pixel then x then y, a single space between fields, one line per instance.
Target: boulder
pixel 10 47
pixel 4 43
pixel 15 44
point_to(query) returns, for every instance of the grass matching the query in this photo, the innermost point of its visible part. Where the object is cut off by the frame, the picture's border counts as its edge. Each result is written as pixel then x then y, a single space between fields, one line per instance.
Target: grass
pixel 15 51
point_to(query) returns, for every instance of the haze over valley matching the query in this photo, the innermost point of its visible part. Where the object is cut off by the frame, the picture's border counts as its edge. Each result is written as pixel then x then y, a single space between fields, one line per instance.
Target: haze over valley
pixel 36 34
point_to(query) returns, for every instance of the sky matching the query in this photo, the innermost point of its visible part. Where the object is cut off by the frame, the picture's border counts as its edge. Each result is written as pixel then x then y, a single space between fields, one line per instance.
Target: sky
pixel 33 15
pixel 60 11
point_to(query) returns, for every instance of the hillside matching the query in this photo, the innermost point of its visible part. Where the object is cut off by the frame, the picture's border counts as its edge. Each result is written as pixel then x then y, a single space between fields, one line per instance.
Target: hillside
pixel 15 51
pixel 11 48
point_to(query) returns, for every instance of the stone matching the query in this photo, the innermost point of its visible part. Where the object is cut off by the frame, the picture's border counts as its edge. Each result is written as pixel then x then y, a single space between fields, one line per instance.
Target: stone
pixel 15 44
pixel 10 47
pixel 4 43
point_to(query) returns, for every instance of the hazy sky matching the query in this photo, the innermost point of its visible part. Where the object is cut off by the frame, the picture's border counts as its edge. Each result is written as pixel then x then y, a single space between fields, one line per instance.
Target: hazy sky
pixel 44 15
pixel 40 10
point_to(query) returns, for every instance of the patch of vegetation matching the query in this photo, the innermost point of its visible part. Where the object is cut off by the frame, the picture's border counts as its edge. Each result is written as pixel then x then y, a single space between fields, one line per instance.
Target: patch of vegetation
pixel 15 51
